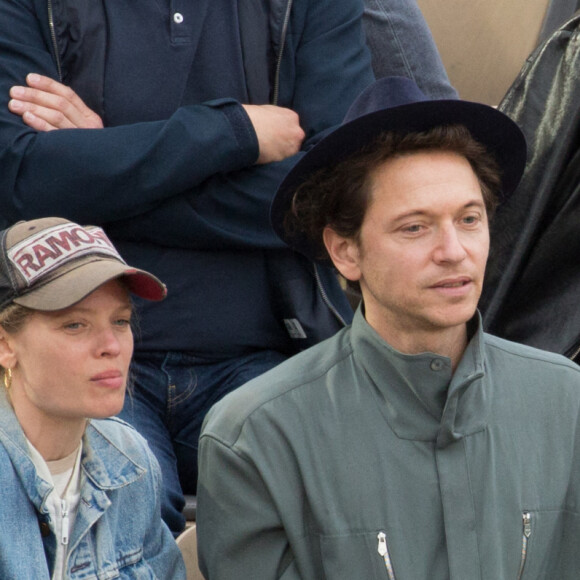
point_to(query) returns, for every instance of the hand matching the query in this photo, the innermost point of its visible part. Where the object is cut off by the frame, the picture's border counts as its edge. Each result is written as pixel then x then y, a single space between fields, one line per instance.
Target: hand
pixel 45 104
pixel 278 130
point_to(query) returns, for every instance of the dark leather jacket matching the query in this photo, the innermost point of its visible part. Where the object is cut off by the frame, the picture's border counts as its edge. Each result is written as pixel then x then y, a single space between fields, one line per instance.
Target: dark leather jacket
pixel 532 286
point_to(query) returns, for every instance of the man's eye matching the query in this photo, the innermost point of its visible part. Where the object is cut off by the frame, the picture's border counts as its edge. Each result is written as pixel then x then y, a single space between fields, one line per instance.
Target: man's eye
pixel 73 325
pixel 413 229
pixel 123 322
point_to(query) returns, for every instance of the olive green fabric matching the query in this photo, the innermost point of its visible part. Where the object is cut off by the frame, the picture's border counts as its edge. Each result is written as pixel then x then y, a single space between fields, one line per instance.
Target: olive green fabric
pixel 302 469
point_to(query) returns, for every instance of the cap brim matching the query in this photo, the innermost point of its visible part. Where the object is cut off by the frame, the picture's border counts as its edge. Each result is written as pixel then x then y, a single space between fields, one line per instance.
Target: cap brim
pixel 500 135
pixel 78 283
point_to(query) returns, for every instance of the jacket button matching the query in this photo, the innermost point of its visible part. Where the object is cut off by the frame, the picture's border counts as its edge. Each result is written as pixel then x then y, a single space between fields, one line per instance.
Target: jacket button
pixel 44 529
pixel 437 364
pixel 178 18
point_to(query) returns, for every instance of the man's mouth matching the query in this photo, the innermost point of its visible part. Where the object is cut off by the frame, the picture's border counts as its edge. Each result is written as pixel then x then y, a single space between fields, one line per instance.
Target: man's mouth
pixel 452 284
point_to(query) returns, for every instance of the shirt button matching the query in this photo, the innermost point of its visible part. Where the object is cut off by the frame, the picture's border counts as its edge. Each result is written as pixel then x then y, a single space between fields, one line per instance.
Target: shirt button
pixel 437 364
pixel 178 18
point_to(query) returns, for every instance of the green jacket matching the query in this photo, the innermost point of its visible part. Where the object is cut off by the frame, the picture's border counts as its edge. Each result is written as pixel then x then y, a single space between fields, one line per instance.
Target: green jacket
pixel 353 461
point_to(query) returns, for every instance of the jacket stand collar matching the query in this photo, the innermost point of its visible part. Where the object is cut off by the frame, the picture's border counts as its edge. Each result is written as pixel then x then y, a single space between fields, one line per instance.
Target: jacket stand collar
pixel 419 396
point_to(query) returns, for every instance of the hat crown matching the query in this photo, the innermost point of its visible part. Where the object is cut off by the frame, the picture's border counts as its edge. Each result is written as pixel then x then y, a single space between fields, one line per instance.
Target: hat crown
pixel 386 93
pixel 52 263
pixel 397 104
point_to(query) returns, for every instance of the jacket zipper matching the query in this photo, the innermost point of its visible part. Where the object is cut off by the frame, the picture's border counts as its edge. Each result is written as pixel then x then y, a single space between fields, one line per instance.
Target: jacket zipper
pixel 53 39
pixel 65 522
pixel 383 551
pixel 325 297
pixel 575 353
pixel 276 84
pixel 527 532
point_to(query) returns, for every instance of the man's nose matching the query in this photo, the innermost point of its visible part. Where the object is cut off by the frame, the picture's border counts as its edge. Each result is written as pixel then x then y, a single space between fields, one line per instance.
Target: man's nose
pixel 449 246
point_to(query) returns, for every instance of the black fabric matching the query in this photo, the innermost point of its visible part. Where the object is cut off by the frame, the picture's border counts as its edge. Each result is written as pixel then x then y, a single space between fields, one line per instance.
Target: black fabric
pixel 82 39
pixel 557 12
pixel 532 284
pixel 256 49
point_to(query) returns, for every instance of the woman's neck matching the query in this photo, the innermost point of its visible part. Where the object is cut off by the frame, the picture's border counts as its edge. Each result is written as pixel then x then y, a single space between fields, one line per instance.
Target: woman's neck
pixel 54 438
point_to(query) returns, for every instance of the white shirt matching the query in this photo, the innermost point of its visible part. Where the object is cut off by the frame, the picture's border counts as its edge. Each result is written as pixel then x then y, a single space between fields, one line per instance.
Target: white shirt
pixel 63 500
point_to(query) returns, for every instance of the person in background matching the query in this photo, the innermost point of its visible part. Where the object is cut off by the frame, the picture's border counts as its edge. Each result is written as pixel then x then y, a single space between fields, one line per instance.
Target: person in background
pixel 196 134
pixel 412 444
pixel 81 491
pixel 401 44
pixel 187 116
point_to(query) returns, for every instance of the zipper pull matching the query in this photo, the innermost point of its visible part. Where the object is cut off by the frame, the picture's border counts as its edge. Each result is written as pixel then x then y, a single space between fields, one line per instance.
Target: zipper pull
pixel 382 547
pixel 383 551
pixel 65 522
pixel 527 518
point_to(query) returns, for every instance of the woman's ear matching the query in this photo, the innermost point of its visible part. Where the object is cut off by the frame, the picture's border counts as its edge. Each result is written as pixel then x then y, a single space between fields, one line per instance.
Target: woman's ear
pixel 344 253
pixel 7 355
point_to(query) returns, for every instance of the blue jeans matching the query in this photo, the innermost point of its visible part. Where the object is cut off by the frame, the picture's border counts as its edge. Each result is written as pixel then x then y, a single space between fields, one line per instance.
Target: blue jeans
pixel 170 397
pixel 401 44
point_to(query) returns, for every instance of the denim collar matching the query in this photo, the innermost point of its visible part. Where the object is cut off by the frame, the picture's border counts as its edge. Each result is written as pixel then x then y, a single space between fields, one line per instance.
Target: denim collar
pixel 105 465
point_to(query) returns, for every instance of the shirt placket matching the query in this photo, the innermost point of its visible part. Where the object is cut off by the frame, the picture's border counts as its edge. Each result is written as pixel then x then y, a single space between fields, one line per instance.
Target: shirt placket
pixel 181 21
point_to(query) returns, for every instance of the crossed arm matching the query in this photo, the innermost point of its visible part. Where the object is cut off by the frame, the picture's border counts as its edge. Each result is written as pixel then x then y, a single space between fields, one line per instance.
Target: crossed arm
pixel 46 105
pixel 195 166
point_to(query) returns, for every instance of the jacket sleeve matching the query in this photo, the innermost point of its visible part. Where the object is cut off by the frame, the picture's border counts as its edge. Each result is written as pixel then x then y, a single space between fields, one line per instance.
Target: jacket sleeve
pixel 401 44
pixel 326 66
pixel 101 175
pixel 240 534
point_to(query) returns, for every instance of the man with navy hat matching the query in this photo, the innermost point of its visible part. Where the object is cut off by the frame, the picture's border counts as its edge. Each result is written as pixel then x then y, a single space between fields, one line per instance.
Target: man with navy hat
pixel 411 445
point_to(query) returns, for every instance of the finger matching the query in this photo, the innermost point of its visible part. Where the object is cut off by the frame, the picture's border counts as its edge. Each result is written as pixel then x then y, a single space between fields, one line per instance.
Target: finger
pixel 52 95
pixel 80 115
pixel 47 85
pixel 37 123
pixel 39 115
pixel 41 98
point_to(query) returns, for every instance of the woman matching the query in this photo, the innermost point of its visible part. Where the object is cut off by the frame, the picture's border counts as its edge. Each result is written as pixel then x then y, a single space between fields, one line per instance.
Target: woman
pixel 80 490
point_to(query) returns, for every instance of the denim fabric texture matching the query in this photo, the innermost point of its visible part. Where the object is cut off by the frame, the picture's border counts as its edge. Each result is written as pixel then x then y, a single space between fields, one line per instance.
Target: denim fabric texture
pixel 171 394
pixel 401 44
pixel 118 532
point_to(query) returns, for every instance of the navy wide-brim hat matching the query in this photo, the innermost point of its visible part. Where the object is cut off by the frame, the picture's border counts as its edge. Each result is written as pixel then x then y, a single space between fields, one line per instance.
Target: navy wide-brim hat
pixel 397 104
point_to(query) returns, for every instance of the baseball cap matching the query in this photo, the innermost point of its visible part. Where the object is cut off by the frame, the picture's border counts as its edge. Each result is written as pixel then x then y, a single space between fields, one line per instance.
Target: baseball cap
pixel 51 263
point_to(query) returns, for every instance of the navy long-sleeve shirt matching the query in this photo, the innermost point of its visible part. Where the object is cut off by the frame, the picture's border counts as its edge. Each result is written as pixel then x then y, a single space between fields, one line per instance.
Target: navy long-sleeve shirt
pixel 171 177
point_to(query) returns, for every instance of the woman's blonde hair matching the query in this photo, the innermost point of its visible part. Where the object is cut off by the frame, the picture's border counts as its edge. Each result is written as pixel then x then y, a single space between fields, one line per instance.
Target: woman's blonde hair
pixel 13 317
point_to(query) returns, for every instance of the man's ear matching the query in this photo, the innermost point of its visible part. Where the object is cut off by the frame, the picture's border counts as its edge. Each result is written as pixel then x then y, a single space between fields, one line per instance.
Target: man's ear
pixel 8 357
pixel 344 253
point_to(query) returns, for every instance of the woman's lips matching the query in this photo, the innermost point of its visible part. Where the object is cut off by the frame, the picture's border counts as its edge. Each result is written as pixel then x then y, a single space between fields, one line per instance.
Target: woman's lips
pixel 109 379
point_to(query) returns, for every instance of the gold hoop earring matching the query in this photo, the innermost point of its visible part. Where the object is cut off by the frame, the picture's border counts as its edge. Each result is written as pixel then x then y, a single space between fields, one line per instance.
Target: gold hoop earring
pixel 7 378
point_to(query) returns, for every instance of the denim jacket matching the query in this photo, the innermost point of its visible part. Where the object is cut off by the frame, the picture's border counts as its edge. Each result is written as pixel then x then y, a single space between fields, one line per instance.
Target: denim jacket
pixel 118 530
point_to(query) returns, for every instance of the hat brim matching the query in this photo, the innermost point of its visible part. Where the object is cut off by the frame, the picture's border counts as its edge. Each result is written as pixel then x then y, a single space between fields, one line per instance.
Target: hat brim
pixel 78 283
pixel 495 130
